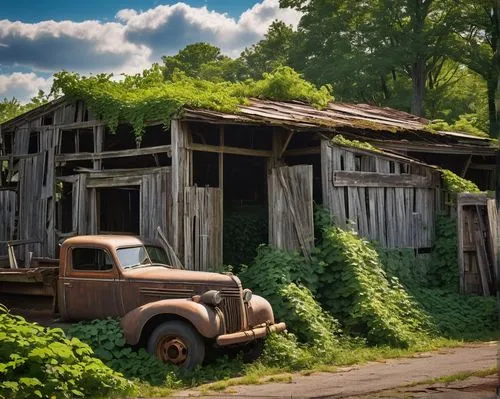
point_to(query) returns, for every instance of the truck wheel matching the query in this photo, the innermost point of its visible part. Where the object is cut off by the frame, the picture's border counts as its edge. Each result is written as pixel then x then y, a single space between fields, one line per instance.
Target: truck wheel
pixel 178 343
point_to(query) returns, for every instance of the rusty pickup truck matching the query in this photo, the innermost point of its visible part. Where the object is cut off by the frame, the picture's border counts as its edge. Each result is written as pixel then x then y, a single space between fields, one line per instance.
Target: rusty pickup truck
pixel 174 313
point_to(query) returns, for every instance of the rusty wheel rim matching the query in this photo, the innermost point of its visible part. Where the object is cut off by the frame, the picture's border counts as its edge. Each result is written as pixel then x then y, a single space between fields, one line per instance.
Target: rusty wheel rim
pixel 172 350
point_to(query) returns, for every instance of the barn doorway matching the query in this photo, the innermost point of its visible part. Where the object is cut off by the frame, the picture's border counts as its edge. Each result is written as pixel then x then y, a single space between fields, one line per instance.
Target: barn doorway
pixel 119 210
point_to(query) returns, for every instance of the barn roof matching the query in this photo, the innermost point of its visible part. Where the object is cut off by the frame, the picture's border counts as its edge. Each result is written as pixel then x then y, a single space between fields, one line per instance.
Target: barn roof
pixel 366 121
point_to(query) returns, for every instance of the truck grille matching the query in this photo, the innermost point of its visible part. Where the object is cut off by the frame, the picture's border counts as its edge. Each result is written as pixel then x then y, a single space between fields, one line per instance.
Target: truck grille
pixel 232 308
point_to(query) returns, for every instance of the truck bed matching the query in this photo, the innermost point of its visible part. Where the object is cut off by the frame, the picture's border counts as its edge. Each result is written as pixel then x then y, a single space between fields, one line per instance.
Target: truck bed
pixel 34 281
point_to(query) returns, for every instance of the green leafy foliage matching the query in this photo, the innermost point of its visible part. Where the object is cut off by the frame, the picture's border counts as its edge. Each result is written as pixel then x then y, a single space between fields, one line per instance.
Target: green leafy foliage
pixel 107 340
pixel 459 316
pixel 355 289
pixel 147 97
pixel 284 351
pixel 245 228
pixel 274 269
pixel 443 271
pixel 40 362
pixel 456 184
pixel 465 123
pixel 362 145
pixel 307 319
pixel 286 84
pixel 410 268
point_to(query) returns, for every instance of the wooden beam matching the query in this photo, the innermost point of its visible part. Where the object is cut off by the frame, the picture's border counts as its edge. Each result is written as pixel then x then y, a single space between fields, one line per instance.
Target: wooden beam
pixel 116 181
pixel 479 166
pixel 85 156
pixel 466 166
pixel 285 144
pixel 433 148
pixel 302 151
pixel 230 150
pixel 373 179
pixel 80 125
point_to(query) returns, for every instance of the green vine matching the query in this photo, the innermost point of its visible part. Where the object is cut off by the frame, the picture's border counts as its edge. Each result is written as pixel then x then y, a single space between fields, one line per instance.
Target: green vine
pixel 148 97
pixel 456 184
pixel 362 145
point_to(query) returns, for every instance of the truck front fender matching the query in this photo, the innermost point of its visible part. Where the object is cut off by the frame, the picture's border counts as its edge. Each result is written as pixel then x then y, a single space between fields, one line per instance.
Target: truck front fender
pixel 203 318
pixel 259 311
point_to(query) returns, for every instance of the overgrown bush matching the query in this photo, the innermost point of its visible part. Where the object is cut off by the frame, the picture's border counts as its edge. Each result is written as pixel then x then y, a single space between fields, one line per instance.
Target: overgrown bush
pixel 107 340
pixel 411 269
pixel 443 270
pixel 355 289
pixel 284 351
pixel 272 270
pixel 459 316
pixel 307 319
pixel 41 362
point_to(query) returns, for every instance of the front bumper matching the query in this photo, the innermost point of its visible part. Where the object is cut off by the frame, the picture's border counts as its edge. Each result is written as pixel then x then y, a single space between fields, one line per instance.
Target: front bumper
pixel 249 335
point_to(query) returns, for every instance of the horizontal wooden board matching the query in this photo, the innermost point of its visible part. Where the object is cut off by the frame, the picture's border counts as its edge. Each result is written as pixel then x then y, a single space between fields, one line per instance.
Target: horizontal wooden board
pixel 374 179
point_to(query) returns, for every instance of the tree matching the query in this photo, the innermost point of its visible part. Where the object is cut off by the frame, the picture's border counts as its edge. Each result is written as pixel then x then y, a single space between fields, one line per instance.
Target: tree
pixel 203 61
pixel 478 47
pixel 364 44
pixel 271 52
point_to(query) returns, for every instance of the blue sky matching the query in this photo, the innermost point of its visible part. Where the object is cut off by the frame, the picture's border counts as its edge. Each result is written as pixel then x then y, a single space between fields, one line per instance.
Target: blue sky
pixel 38 38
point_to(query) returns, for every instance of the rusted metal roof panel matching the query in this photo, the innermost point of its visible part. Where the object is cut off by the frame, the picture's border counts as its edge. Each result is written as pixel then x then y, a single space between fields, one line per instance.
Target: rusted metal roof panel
pixel 300 116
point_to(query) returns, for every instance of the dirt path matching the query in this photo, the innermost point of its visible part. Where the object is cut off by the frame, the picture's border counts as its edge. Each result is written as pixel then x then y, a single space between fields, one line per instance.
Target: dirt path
pixel 375 376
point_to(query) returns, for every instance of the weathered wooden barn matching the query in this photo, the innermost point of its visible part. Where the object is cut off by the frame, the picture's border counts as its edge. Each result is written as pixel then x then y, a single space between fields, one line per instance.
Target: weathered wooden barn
pixel 64 173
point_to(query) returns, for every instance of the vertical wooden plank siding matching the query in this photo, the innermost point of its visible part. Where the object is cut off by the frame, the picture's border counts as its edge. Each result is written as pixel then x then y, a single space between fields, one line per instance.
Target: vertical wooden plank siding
pixel 395 215
pixel 155 203
pixel 203 228
pixel 7 217
pixel 477 236
pixel 291 224
pixel 181 177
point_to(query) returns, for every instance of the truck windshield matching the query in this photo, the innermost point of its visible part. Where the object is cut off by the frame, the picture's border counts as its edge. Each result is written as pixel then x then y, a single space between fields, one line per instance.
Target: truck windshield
pixel 157 255
pixel 133 256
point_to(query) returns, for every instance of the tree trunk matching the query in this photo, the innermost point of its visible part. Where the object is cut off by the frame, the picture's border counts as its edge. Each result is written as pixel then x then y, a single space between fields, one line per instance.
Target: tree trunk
pixel 418 83
pixel 492 111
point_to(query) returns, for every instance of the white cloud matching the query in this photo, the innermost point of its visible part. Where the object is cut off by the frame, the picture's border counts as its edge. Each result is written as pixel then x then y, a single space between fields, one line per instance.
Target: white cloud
pixel 167 28
pixel 84 46
pixel 23 86
pixel 128 45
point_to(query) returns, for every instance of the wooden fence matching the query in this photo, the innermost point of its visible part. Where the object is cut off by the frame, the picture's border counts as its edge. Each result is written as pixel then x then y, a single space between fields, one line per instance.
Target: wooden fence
pixel 387 199
pixel 291 219
pixel 202 228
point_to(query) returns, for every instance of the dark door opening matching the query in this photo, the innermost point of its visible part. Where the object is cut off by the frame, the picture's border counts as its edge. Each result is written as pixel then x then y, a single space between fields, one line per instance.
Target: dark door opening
pixel 119 210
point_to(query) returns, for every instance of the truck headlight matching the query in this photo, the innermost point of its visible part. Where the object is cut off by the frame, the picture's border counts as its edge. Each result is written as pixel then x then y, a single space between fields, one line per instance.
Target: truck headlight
pixel 247 295
pixel 211 297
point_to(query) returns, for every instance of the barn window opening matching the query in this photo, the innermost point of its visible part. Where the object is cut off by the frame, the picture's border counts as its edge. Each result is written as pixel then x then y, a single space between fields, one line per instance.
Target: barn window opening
pixel 34 143
pixel 7 143
pixel 119 210
pixel 48 119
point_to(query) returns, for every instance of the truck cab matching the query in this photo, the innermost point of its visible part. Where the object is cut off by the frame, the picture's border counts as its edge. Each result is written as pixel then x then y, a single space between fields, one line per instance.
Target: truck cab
pixel 173 313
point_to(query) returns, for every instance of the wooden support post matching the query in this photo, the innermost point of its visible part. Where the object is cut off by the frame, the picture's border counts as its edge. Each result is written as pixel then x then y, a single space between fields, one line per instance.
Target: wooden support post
pixel 221 157
pixel 460 244
pixel 98 145
pixel 181 178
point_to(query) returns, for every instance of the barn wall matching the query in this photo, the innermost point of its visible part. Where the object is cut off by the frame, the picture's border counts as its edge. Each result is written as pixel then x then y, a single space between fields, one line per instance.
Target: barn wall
pixel 385 199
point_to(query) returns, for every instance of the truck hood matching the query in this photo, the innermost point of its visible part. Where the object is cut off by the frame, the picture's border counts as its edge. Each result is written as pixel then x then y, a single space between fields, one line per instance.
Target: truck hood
pixel 198 282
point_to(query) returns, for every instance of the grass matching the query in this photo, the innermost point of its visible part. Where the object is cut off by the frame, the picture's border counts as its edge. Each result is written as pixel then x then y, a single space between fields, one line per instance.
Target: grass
pixel 455 377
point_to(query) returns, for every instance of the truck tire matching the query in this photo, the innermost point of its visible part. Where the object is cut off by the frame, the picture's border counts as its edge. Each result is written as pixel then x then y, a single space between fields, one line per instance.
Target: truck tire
pixel 177 342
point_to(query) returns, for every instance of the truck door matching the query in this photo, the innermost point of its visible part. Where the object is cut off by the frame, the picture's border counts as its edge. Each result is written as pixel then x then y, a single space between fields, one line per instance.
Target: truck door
pixel 90 287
